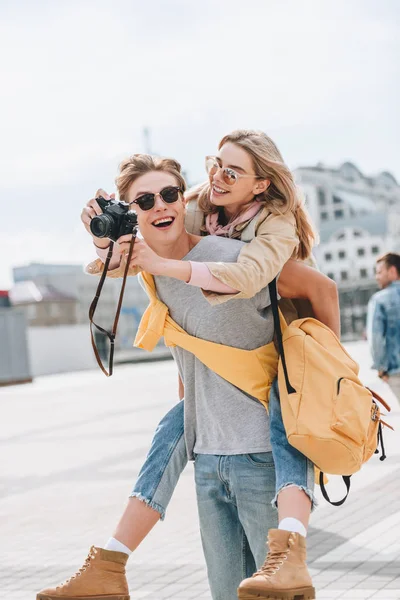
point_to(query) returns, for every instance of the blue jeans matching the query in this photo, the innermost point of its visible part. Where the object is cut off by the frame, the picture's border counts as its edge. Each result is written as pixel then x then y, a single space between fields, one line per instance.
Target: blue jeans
pixel 291 466
pixel 164 463
pixel 234 495
pixel 167 458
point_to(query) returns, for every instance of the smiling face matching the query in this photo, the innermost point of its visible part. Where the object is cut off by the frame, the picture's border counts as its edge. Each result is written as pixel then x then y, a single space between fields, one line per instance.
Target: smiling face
pixel 162 225
pixel 232 198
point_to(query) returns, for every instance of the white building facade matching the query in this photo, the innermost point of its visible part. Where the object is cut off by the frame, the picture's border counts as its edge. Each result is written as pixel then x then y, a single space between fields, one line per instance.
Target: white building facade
pixel 358 219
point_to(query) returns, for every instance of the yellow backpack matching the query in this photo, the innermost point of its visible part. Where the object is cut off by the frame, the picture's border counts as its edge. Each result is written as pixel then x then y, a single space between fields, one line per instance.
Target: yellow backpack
pixel 329 415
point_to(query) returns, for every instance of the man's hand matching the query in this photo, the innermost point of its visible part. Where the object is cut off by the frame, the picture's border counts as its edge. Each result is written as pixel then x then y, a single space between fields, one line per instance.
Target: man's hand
pixel 91 210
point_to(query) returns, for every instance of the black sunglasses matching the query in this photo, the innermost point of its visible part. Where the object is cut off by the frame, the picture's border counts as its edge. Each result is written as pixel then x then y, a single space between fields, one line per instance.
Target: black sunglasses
pixel 169 195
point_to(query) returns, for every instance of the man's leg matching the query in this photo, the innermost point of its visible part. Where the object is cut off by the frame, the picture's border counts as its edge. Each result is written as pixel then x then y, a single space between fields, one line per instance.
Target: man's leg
pixel 287 545
pixel 226 549
pixel 253 483
pixel 104 569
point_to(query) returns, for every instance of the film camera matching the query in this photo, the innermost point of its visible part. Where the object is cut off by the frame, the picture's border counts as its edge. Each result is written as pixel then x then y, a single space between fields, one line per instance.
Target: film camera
pixel 117 219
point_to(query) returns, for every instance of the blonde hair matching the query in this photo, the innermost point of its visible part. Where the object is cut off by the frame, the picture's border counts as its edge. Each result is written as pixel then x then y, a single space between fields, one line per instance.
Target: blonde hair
pixel 281 196
pixel 136 165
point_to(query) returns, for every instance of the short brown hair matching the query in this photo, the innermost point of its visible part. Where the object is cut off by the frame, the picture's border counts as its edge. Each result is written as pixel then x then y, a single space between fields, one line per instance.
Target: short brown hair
pixel 391 259
pixel 136 165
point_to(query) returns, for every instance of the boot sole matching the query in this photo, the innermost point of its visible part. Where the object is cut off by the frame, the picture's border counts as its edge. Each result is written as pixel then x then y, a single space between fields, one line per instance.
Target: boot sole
pixel 96 597
pixel 298 594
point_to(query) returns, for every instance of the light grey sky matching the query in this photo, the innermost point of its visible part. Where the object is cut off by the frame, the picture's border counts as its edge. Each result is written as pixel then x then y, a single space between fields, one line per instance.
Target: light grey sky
pixel 80 80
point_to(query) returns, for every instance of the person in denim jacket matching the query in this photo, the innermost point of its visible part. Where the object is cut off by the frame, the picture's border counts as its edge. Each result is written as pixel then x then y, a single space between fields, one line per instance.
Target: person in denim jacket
pixel 383 325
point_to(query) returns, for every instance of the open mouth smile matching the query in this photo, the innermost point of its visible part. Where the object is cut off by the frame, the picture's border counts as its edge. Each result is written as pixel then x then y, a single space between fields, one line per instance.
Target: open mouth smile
pixel 163 222
pixel 219 191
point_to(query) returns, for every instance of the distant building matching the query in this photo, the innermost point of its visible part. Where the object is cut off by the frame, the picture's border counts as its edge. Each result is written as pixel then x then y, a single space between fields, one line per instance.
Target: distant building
pixel 358 218
pixel 62 294
pixel 44 305
pixel 5 298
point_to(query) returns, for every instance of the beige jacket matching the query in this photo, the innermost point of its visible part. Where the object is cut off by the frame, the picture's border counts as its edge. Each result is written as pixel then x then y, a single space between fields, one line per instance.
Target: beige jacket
pixel 273 239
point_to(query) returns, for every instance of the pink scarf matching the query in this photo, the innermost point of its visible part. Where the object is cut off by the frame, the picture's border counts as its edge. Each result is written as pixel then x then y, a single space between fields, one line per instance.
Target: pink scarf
pixel 214 228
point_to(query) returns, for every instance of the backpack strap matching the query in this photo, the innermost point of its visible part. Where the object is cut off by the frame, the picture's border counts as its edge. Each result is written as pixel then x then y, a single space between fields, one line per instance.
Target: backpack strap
pixel 346 479
pixel 277 324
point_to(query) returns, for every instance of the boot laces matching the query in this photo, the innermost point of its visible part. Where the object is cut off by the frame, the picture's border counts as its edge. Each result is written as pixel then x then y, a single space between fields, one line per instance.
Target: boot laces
pixel 274 561
pixel 83 568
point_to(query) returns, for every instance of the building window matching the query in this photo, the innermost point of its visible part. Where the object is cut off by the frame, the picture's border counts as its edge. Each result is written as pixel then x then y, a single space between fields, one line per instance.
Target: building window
pixel 331 276
pixel 360 252
pixel 337 200
pixel 375 250
pixel 328 256
pixel 357 233
pixel 321 197
pixel 341 236
pixel 342 254
pixel 324 216
pixel 363 273
pixel 338 214
pixel 343 275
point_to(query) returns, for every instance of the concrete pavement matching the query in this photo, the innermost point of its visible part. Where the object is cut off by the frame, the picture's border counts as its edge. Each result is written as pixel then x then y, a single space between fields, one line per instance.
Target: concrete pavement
pixel 72 446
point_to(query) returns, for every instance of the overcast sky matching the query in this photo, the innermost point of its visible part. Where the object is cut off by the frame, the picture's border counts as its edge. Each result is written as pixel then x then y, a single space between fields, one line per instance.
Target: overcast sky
pixel 81 79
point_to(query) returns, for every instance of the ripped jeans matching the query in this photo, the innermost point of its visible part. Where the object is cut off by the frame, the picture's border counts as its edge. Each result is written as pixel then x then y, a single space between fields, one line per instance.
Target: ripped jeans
pixel 167 458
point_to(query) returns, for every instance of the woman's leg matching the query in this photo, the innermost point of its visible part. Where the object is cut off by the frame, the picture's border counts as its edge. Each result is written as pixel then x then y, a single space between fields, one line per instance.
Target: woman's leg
pixel 294 472
pixel 156 482
pixel 137 521
pixel 104 569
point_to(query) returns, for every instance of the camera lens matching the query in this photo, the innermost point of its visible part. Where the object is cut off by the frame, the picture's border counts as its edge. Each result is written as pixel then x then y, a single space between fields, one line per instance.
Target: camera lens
pixel 101 226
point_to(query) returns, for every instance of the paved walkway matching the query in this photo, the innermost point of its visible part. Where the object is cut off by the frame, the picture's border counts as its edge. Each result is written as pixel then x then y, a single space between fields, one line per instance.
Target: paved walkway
pixel 72 446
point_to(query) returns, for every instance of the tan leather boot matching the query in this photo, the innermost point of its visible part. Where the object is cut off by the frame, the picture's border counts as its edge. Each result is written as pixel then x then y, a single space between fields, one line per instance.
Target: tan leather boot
pixel 102 577
pixel 284 574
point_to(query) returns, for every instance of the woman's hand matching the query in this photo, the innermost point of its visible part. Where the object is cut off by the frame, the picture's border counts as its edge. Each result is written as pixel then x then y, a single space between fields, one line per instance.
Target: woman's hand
pixel 147 260
pixel 142 256
pixel 91 210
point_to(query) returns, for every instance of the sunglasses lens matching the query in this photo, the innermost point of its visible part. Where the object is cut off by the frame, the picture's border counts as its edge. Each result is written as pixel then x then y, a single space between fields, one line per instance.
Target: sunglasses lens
pixel 146 202
pixel 229 176
pixel 170 194
pixel 211 166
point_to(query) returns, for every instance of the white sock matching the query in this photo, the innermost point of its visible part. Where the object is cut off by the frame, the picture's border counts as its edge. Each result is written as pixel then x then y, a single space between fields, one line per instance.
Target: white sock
pixel 117 546
pixel 292 524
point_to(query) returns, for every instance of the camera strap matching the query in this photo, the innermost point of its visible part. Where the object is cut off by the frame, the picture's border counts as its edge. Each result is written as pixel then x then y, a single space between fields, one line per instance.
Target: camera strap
pixel 110 334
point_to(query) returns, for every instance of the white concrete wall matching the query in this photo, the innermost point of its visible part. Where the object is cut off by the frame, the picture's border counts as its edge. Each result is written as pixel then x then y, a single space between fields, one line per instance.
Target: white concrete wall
pixel 60 349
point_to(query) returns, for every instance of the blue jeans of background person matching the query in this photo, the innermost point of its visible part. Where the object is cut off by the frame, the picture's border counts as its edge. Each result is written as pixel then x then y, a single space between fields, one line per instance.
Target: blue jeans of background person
pixel 167 458
pixel 234 495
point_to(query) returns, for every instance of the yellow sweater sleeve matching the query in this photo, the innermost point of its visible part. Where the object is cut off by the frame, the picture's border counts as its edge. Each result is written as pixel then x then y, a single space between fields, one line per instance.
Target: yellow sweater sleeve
pixel 259 261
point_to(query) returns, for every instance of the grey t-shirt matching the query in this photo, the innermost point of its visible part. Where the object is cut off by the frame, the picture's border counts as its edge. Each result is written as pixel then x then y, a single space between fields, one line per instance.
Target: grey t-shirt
pixel 219 418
